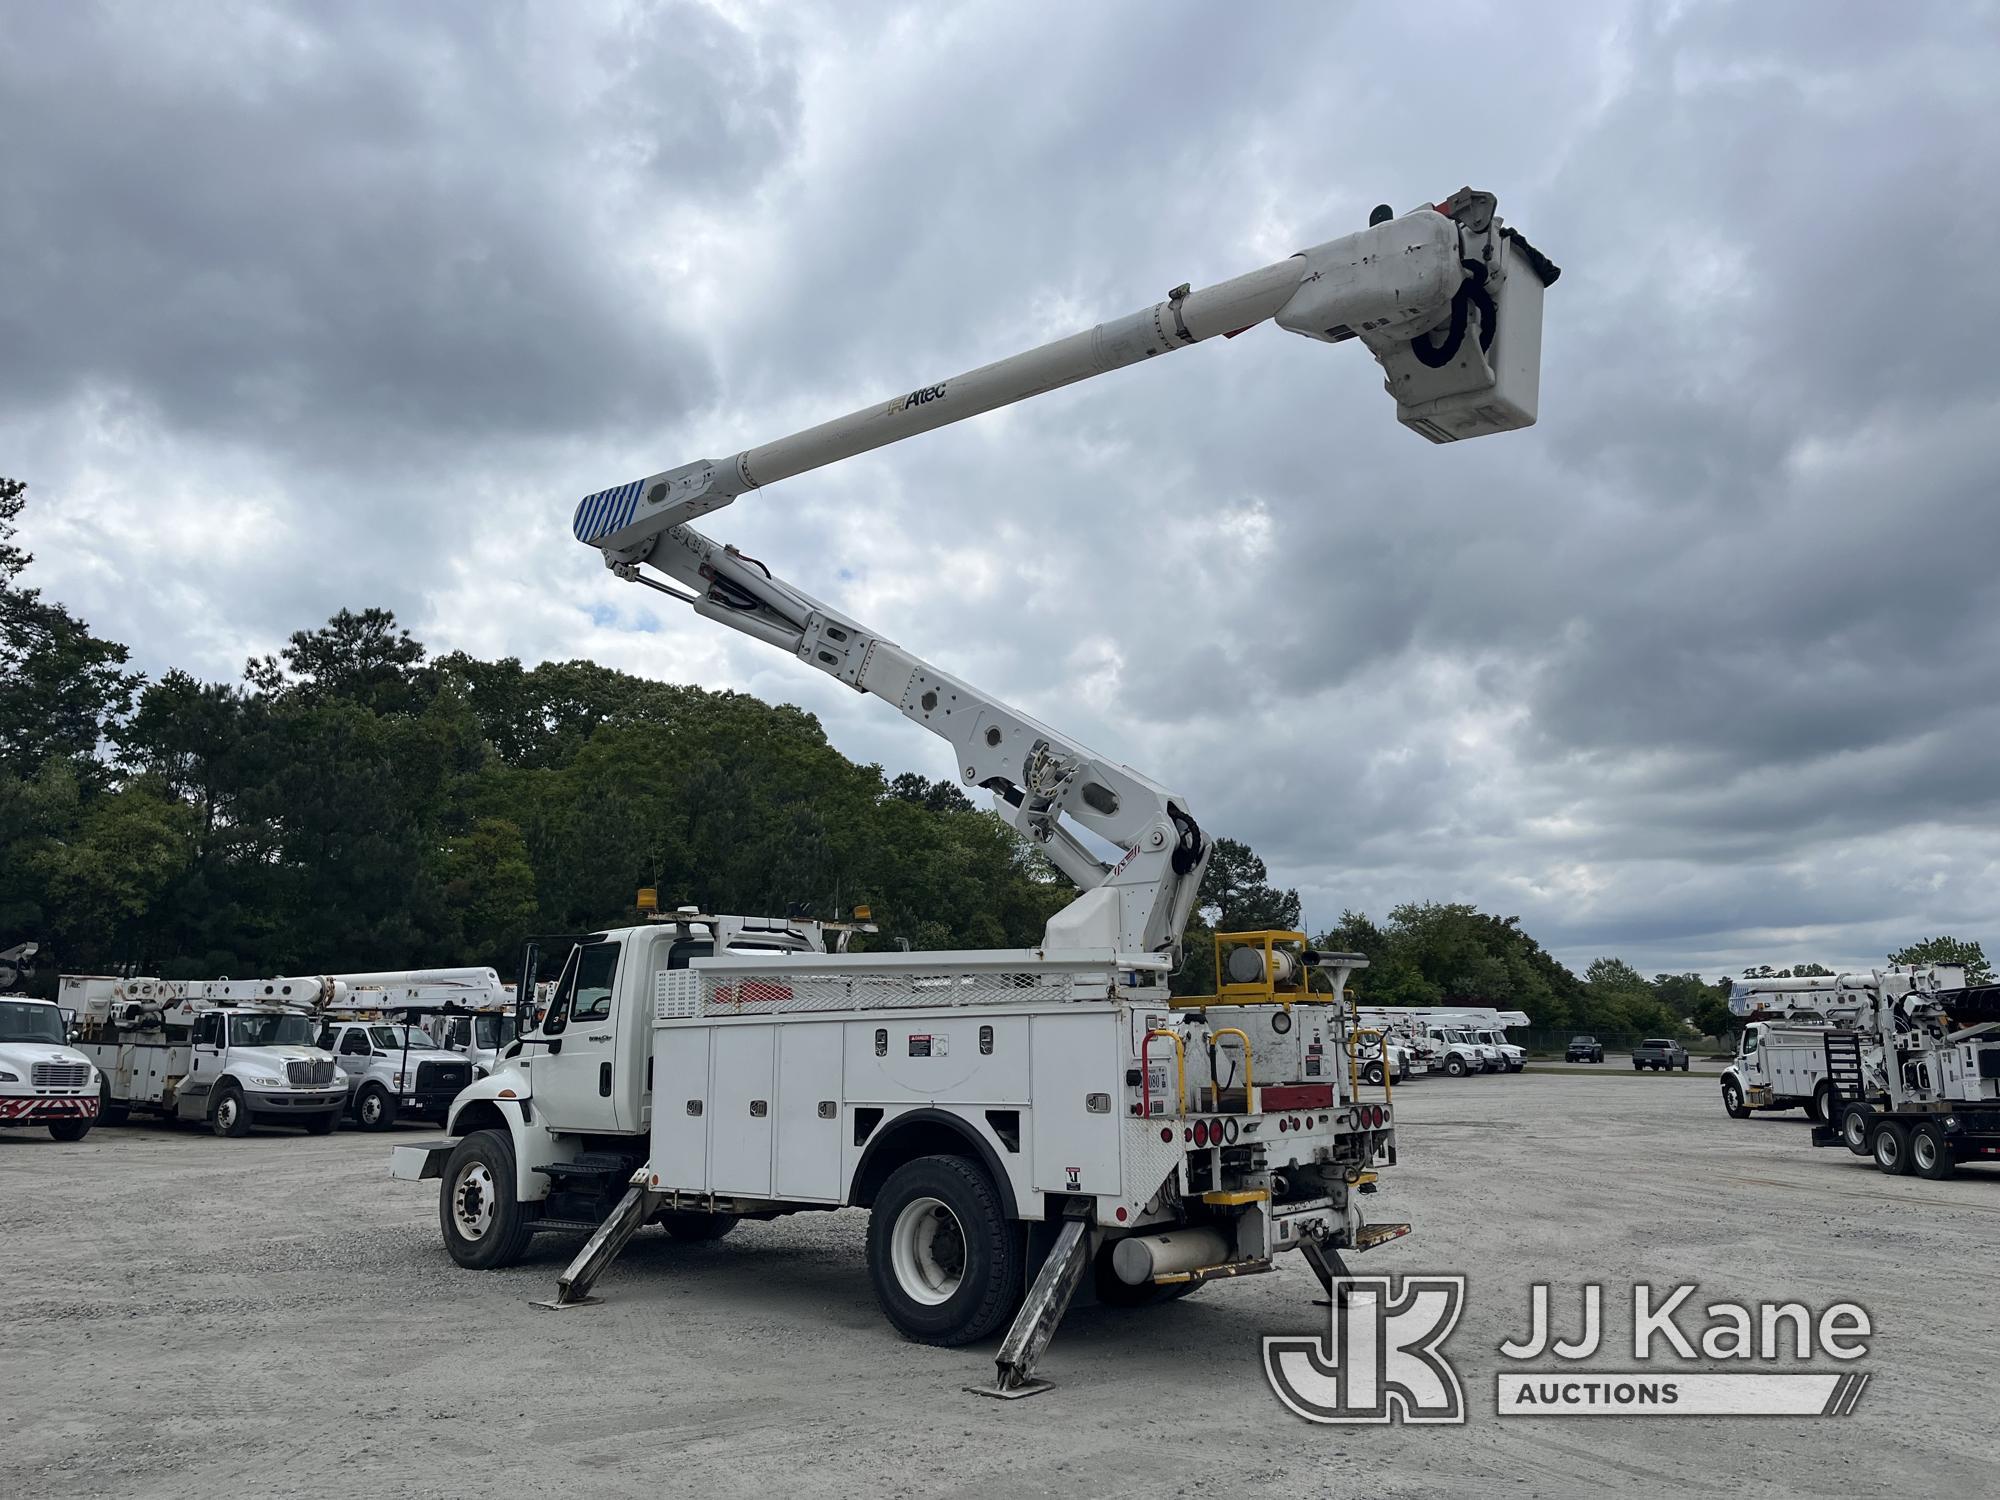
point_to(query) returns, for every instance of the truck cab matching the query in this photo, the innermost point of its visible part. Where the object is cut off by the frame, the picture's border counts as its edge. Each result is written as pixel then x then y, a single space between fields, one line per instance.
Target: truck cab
pixel 393 1071
pixel 1462 1055
pixel 1512 1058
pixel 479 1036
pixel 43 1080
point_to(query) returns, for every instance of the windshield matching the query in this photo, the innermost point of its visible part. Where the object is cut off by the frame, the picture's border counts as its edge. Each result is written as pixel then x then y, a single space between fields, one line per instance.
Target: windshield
pixel 493 1031
pixel 23 1022
pixel 390 1038
pixel 270 1031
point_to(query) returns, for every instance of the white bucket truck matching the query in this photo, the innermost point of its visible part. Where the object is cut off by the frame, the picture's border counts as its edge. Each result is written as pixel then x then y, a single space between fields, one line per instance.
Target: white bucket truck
pixel 1011 1119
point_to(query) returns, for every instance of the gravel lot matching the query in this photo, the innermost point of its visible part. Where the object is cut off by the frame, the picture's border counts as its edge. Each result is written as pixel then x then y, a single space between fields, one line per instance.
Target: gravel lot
pixel 187 1315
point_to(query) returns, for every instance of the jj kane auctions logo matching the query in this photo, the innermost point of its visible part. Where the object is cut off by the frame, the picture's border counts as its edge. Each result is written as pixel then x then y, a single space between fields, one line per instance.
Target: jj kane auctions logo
pixel 1382 1358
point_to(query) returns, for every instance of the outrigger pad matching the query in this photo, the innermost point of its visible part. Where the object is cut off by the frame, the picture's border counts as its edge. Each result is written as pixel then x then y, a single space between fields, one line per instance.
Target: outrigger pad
pixel 556 1304
pixel 1029 1387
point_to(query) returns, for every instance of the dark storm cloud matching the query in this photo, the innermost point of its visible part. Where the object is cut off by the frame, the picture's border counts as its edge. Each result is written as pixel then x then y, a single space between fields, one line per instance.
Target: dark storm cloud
pixel 1700 668
pixel 365 224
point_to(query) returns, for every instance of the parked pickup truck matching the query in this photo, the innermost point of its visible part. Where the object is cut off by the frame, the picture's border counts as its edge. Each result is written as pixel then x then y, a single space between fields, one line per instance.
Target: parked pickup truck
pixel 1585 1049
pixel 1659 1052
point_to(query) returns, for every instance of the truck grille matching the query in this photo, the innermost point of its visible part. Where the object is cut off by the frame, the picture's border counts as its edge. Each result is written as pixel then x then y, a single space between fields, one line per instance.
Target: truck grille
pixel 310 1075
pixel 441 1076
pixel 59 1075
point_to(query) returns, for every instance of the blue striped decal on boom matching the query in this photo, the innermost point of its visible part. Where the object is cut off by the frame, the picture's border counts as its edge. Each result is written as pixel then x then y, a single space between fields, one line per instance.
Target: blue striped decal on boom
pixel 606 511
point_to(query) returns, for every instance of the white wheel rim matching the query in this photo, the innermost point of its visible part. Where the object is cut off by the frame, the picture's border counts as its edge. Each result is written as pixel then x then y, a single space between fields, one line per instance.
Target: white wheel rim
pixel 1857 1130
pixel 1886 1148
pixel 1924 1151
pixel 371 1109
pixel 472 1201
pixel 225 1113
pixel 927 1251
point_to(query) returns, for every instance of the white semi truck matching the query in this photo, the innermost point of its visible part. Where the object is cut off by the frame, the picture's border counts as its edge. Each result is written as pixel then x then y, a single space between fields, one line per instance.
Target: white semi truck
pixel 1780 1060
pixel 43 1080
pixel 1012 1120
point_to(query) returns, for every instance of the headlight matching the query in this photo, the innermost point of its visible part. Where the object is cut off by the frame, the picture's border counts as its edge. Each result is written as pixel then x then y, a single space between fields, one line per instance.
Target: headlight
pixel 396 1080
pixel 266 1083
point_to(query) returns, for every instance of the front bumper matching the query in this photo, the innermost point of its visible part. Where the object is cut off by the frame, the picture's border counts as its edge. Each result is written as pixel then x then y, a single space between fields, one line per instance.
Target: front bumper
pixel 429 1105
pixel 290 1103
pixel 39 1109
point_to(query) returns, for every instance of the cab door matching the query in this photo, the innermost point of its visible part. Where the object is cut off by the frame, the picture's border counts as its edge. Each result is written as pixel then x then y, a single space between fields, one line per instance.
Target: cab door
pixel 205 1059
pixel 575 1063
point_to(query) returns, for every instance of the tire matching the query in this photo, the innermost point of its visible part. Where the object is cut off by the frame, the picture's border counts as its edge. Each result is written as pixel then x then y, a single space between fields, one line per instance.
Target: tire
pixel 1931 1154
pixel 1454 1067
pixel 945 1262
pixel 1732 1100
pixel 484 1225
pixel 1114 1291
pixel 228 1114
pixel 70 1130
pixel 1638 1067
pixel 323 1124
pixel 1823 1105
pixel 1684 1064
pixel 695 1228
pixel 1855 1120
pixel 1373 1073
pixel 1889 1144
pixel 373 1108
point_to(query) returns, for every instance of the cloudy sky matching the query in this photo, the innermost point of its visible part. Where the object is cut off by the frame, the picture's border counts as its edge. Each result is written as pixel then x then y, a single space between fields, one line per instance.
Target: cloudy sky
pixel 309 306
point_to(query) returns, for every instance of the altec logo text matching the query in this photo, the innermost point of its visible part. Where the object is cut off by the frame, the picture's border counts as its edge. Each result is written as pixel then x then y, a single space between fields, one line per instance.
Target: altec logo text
pixel 1383 1361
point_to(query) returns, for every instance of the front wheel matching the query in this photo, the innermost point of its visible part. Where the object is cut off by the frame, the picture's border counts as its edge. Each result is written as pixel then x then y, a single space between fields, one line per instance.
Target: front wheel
pixel 69 1130
pixel 1732 1101
pixel 1931 1154
pixel 1454 1067
pixel 945 1262
pixel 373 1108
pixel 1373 1073
pixel 230 1116
pixel 485 1226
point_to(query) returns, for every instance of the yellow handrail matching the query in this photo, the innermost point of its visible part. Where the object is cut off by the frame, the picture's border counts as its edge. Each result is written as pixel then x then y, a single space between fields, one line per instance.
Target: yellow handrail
pixel 1354 1060
pixel 1249 1079
pixel 1146 1070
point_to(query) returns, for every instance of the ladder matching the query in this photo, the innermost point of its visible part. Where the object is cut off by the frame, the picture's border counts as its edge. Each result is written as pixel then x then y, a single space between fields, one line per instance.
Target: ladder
pixel 1843 1063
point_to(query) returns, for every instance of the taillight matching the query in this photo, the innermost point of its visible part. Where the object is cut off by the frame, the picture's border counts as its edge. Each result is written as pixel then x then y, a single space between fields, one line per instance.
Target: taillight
pixel 1229 1132
pixel 1215 1132
pixel 1381 1114
pixel 1201 1132
pixel 1167 1133
pixel 1284 1124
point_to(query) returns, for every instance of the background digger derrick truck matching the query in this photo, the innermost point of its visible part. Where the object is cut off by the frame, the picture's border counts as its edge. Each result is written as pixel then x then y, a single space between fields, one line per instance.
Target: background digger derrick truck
pixel 1010 1118
pixel 1781 1057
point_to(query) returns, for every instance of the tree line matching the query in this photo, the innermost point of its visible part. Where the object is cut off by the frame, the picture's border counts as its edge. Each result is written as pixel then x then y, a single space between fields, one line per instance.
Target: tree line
pixel 354 802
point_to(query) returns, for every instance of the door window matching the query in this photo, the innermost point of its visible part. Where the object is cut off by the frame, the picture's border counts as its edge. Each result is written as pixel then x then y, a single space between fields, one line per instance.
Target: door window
pixel 355 1042
pixel 584 991
pixel 594 971
pixel 208 1031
